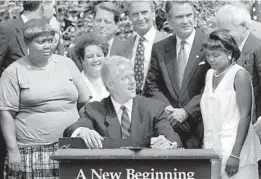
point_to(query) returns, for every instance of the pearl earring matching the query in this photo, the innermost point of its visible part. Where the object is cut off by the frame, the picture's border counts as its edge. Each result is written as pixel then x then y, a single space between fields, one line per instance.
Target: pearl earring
pixel 229 57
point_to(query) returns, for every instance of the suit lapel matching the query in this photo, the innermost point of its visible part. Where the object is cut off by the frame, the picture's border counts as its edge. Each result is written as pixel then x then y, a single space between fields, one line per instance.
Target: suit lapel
pixel 20 36
pixel 111 120
pixel 250 42
pixel 136 121
pixel 193 61
pixel 171 62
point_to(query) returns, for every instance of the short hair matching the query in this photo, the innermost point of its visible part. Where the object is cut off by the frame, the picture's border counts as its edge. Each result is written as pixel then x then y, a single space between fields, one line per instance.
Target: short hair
pixel 111 7
pixel 129 3
pixel 112 66
pixel 87 39
pixel 234 14
pixel 35 28
pixel 221 39
pixel 169 5
pixel 31 5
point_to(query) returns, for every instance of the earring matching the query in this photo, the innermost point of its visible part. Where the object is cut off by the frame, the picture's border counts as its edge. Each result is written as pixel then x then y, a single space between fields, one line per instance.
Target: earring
pixel 229 57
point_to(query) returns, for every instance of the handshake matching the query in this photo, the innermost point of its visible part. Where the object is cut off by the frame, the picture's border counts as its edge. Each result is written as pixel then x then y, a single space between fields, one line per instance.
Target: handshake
pixel 93 140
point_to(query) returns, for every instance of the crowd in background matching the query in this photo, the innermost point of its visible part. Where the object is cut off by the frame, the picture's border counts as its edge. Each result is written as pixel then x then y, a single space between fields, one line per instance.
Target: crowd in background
pixel 163 90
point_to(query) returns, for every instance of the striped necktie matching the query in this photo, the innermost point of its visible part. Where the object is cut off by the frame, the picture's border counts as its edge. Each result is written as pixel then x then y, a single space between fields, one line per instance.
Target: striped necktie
pixel 182 61
pixel 125 123
pixel 139 65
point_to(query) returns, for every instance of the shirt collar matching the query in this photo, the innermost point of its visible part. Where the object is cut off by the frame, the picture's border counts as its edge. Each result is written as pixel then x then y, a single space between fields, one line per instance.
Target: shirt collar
pixel 241 46
pixel 117 106
pixel 188 40
pixel 24 18
pixel 150 35
pixel 111 41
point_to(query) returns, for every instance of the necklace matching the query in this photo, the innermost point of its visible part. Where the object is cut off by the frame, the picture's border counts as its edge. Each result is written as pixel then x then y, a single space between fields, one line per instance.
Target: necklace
pixel 215 73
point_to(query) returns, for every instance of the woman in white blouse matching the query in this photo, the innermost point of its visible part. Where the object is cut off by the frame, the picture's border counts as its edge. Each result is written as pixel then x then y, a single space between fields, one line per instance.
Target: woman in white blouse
pixel 92 52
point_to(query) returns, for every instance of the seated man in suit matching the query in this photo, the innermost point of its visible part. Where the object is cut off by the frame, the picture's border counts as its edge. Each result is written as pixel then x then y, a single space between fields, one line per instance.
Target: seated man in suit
pixel 123 114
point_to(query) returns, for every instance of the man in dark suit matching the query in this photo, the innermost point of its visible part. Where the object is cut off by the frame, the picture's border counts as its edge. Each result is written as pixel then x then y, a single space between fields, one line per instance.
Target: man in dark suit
pixel 105 24
pixel 123 114
pixel 236 19
pixel 177 73
pixel 138 47
pixel 12 45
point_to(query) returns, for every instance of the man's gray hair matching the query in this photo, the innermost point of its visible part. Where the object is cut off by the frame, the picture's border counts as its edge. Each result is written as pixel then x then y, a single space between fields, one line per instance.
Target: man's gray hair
pixel 234 14
pixel 129 3
pixel 112 66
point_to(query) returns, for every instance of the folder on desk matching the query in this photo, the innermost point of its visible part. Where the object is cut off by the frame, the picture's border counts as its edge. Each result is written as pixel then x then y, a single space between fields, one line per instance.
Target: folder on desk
pixel 108 143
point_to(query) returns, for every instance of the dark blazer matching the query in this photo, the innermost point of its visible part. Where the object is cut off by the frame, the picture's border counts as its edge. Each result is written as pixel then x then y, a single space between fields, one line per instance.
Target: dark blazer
pixel 12 46
pixel 162 83
pixel 116 49
pixel 250 59
pixel 148 119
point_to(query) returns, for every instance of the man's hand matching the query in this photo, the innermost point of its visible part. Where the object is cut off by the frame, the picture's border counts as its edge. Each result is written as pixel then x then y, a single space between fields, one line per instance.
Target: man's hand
pixel 92 139
pixel 160 142
pixel 177 118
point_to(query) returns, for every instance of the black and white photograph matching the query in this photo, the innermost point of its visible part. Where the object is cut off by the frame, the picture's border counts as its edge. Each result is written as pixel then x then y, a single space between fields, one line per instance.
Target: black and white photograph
pixel 159 89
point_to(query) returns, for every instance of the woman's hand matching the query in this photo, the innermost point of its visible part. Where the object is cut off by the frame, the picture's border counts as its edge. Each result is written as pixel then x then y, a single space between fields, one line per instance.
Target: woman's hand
pixel 14 157
pixel 232 166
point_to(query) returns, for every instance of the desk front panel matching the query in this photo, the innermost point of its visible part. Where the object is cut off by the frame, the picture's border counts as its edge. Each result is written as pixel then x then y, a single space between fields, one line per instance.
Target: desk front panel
pixel 135 169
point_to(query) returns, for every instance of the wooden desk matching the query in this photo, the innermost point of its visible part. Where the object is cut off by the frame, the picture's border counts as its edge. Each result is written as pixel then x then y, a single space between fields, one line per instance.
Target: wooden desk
pixel 143 164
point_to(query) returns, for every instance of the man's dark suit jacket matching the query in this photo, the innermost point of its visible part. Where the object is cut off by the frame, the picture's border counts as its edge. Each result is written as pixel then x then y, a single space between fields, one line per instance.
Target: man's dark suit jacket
pixel 250 59
pixel 116 49
pixel 148 119
pixel 12 46
pixel 162 83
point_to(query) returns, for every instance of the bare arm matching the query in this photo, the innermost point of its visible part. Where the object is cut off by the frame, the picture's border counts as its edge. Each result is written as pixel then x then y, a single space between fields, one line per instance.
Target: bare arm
pixel 9 134
pixel 244 100
pixel 243 90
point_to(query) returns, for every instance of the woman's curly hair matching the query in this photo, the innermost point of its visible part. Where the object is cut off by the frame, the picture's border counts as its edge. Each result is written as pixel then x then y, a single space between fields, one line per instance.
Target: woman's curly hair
pixel 87 39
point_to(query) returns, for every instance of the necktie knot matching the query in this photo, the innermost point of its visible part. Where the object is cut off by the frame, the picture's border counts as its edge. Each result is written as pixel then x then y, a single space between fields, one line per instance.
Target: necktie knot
pixel 123 108
pixel 182 43
pixel 142 39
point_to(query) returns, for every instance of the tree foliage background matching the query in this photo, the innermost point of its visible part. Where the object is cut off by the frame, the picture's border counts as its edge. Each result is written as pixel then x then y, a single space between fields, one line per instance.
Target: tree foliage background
pixel 76 16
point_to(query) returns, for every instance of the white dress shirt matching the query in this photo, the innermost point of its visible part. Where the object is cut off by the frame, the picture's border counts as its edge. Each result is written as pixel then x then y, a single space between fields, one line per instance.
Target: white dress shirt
pixel 118 110
pixel 187 45
pixel 110 42
pixel 24 18
pixel 241 46
pixel 148 42
pixel 97 88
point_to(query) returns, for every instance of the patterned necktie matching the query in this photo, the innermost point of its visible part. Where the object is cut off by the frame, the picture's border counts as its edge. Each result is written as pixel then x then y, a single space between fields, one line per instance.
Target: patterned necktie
pixel 139 65
pixel 125 123
pixel 182 61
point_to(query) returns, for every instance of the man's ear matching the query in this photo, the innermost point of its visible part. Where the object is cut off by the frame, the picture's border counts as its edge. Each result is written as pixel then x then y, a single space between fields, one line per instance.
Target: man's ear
pixel 109 84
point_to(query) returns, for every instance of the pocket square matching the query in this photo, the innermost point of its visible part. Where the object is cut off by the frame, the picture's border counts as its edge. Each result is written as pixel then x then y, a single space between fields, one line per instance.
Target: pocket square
pixel 202 63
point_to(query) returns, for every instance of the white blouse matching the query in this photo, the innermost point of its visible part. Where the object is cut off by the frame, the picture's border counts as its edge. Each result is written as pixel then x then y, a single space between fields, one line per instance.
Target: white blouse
pixel 97 89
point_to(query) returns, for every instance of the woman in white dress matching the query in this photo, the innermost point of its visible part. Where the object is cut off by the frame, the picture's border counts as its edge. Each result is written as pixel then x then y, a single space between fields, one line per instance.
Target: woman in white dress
pixel 227 107
pixel 92 51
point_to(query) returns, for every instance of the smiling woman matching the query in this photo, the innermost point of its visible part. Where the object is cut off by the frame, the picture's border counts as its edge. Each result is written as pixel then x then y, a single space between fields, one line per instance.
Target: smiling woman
pixel 39 96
